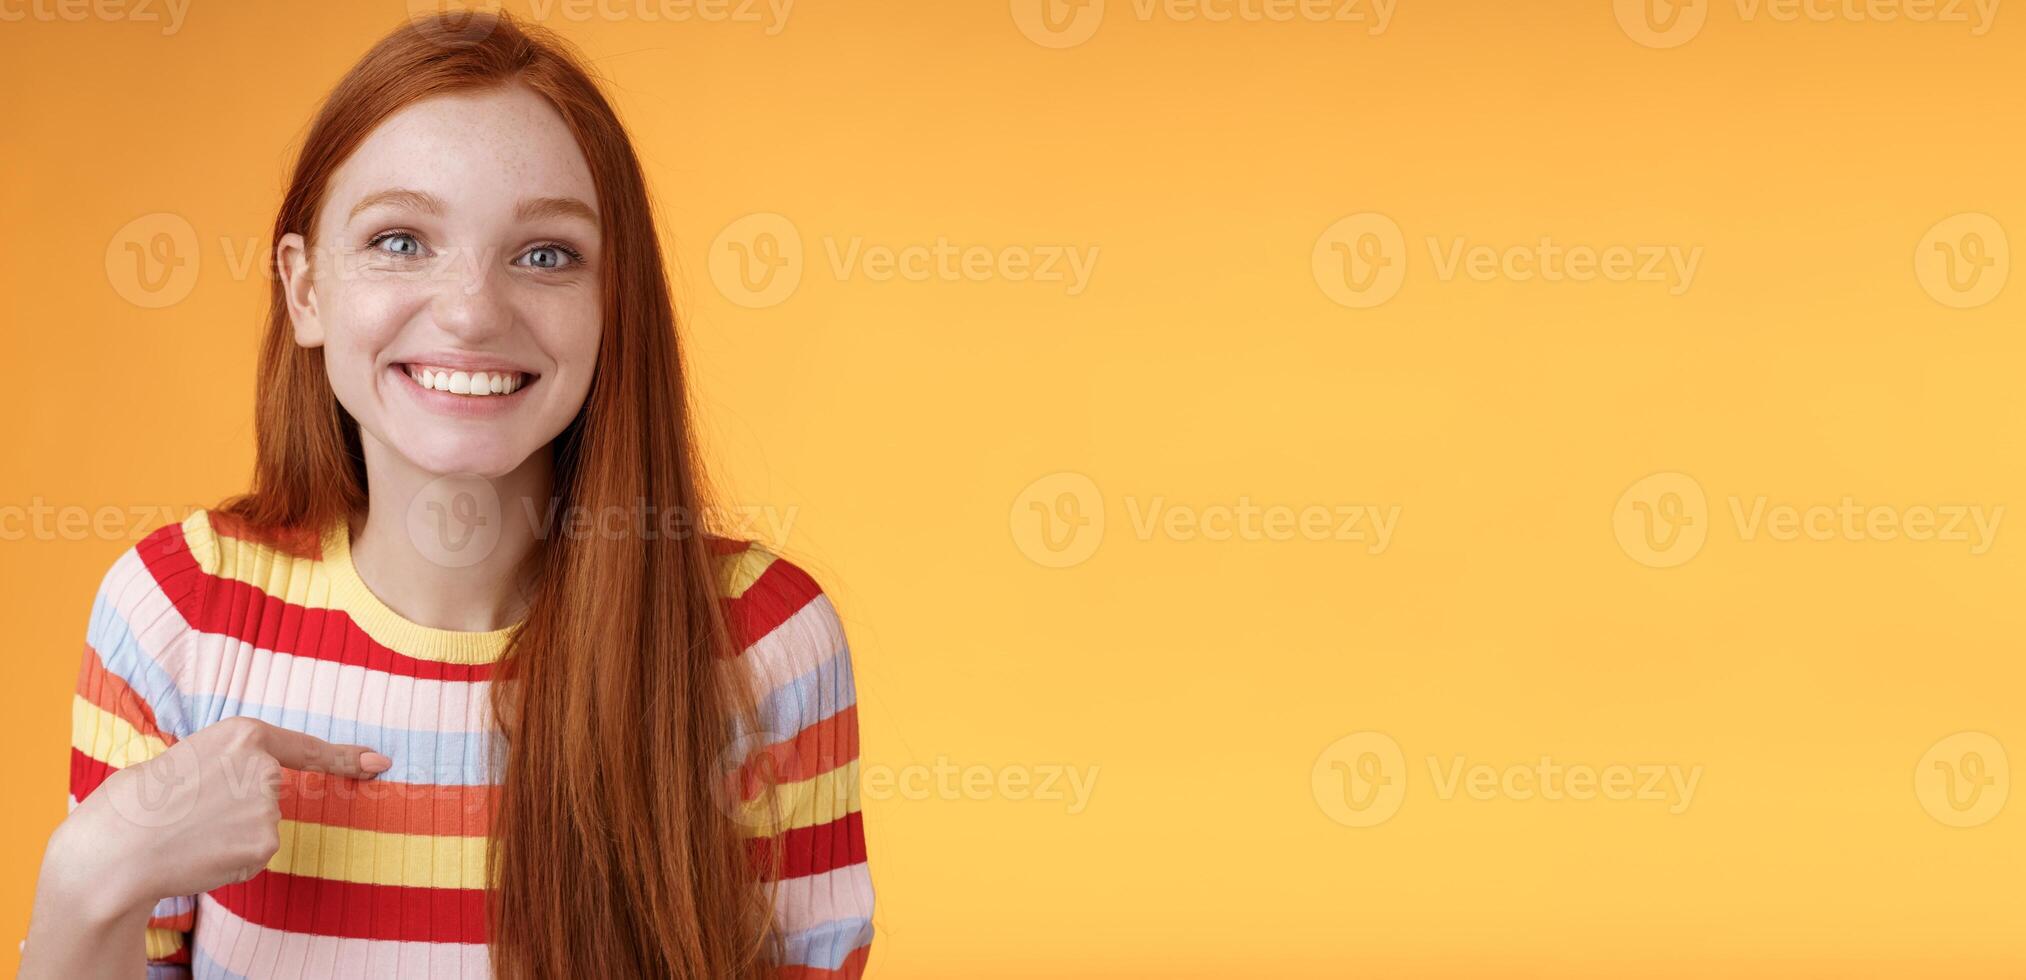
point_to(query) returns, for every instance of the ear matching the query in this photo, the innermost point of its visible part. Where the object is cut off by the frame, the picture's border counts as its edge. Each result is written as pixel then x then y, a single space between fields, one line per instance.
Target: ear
pixel 292 261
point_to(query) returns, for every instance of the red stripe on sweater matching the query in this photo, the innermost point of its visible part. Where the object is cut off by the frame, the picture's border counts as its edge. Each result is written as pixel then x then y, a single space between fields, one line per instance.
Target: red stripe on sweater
pixel 387 806
pixel 243 612
pixel 811 850
pixel 852 968
pixel 86 773
pixel 235 609
pixel 780 592
pixel 814 751
pixel 183 922
pixel 111 694
pixel 323 907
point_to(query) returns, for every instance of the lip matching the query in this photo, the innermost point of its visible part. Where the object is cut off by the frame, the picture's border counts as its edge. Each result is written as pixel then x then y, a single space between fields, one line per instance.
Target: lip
pixel 466 361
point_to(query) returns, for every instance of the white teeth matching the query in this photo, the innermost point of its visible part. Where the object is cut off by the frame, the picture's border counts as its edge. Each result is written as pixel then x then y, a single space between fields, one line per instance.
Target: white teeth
pixel 474 383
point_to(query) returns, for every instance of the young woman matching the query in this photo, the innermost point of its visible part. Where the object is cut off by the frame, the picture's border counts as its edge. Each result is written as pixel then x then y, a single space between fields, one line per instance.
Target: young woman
pixel 460 689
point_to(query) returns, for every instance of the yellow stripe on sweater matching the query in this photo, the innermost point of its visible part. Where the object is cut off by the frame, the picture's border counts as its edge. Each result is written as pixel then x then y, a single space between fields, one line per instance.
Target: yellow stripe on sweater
pixel 302 581
pixel 163 943
pixel 737 572
pixel 426 861
pixel 306 582
pixel 202 540
pixel 816 800
pixel 370 857
pixel 108 737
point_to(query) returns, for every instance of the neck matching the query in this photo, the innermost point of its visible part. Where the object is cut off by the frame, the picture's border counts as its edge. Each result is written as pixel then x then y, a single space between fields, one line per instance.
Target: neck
pixel 447 552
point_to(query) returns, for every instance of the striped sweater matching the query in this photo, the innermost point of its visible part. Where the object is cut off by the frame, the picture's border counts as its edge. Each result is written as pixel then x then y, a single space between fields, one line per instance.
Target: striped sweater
pixel 201 621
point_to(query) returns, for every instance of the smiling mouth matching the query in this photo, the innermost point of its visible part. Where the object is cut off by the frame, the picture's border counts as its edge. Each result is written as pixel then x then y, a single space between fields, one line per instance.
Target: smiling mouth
pixel 476 384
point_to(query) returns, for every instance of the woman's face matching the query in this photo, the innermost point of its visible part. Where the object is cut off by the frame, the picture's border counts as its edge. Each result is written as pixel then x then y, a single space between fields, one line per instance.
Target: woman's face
pixel 454 282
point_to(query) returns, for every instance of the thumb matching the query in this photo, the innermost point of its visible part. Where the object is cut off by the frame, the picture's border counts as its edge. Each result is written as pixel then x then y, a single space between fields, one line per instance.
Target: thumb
pixel 296 750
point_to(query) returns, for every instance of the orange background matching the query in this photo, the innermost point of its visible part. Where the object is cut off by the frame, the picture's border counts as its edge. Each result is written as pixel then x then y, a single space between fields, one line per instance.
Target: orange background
pixel 899 425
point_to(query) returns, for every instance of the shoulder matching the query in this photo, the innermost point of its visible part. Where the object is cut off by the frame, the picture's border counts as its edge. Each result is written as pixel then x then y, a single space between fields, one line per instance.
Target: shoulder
pixel 166 566
pixel 146 610
pixel 789 633
pixel 181 561
pixel 767 594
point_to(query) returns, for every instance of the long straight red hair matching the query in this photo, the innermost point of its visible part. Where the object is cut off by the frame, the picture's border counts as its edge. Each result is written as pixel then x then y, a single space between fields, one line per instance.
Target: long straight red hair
pixel 615 849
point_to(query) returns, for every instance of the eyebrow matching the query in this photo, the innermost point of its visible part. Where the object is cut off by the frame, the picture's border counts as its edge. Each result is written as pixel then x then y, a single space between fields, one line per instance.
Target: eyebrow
pixel 528 210
pixel 399 198
pixel 555 207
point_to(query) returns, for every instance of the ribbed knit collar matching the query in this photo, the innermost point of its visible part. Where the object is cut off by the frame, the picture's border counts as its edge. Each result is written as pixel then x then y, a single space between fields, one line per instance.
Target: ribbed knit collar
pixel 390 628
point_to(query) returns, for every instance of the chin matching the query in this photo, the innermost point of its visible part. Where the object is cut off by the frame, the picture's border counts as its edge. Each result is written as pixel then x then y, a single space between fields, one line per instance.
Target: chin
pixel 463 455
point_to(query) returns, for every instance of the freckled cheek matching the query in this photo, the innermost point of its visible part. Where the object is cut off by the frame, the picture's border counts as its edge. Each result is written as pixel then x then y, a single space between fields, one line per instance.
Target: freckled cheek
pixel 567 327
pixel 366 317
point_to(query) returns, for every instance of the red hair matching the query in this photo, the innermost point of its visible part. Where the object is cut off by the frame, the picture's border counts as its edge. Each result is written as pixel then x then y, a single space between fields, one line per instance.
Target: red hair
pixel 614 848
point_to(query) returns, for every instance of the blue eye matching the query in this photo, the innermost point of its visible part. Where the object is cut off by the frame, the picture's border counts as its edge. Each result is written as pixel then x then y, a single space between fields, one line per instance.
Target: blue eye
pixel 397 243
pixel 551 255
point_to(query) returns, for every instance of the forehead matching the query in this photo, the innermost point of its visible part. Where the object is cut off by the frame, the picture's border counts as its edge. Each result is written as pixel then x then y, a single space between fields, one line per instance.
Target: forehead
pixel 480 152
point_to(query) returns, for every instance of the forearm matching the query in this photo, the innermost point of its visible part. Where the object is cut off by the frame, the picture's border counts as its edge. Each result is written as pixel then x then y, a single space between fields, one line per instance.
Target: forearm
pixel 84 925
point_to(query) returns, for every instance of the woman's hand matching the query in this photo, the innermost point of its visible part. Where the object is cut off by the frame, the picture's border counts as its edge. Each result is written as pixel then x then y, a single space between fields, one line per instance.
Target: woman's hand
pixel 204 813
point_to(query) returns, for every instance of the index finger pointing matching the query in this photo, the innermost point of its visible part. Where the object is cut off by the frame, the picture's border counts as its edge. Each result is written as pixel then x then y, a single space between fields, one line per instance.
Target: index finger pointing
pixel 296 750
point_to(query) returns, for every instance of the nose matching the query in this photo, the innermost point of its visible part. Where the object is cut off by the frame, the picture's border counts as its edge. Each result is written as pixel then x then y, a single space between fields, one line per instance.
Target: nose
pixel 471 301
